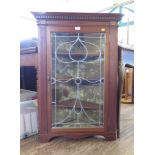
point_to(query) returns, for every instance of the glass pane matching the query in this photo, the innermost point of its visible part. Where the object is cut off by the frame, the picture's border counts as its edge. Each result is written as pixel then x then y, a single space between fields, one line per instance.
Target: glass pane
pixel 77 79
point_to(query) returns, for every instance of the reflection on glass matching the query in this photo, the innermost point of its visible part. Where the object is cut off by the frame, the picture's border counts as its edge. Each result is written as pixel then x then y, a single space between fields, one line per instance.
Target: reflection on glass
pixel 77 79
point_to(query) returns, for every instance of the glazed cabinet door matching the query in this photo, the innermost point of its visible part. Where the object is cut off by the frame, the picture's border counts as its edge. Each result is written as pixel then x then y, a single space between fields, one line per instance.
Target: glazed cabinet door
pixel 76 73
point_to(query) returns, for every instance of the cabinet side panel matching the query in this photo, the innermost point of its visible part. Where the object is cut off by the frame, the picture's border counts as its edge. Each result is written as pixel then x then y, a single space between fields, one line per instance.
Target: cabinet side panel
pixel 113 77
pixel 42 78
pixel 106 80
pixel 49 73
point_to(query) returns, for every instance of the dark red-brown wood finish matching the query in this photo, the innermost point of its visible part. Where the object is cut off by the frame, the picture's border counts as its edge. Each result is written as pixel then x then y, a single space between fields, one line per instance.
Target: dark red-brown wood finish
pixel 88 22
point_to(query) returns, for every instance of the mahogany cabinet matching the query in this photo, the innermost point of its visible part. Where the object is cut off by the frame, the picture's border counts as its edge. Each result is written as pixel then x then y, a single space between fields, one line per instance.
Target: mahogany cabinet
pixel 77 74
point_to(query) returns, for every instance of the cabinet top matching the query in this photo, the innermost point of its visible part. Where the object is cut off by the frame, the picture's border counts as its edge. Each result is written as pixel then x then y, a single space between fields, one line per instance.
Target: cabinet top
pixel 69 16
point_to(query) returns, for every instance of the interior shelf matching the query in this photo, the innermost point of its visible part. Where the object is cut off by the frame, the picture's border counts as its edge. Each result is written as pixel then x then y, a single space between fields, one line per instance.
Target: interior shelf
pixel 86 105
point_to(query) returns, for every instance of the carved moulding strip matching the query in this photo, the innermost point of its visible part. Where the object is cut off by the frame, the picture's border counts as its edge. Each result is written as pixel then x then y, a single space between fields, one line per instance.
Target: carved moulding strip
pixel 101 17
pixel 88 18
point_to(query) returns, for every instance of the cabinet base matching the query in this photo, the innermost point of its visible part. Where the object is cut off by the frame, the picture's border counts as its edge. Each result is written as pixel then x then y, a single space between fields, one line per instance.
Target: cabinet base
pixel 44 138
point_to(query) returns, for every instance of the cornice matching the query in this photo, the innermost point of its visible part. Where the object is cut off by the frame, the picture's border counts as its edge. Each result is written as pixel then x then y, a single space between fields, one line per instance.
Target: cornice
pixel 99 17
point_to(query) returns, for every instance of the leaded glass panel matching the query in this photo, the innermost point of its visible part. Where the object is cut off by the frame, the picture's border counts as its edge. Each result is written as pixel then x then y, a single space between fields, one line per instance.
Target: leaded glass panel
pixel 77 79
